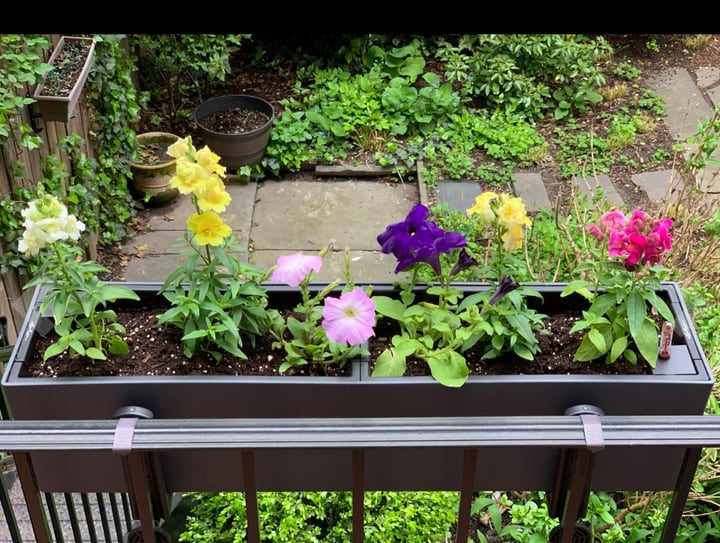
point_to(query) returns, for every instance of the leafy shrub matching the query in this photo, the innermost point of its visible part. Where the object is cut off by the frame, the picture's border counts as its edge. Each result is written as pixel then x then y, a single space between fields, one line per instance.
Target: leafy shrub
pixel 311 517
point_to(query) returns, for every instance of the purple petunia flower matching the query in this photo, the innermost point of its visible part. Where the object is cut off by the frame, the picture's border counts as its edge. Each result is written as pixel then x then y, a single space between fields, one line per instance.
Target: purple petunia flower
pixel 418 240
pixel 400 238
pixel 464 262
pixel 506 286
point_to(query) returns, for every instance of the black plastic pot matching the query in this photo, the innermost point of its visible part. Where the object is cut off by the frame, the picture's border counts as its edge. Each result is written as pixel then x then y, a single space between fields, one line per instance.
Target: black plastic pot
pixel 680 385
pixel 235 150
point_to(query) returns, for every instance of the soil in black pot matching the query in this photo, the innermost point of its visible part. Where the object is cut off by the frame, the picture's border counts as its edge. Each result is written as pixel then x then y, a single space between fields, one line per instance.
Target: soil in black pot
pixel 157 350
pixel 235 120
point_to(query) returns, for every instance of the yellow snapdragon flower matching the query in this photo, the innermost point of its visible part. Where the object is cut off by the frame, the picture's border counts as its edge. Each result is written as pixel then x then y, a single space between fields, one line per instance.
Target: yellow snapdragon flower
pixel 212 196
pixel 208 227
pixel 511 211
pixel 210 161
pixel 181 148
pixel 482 206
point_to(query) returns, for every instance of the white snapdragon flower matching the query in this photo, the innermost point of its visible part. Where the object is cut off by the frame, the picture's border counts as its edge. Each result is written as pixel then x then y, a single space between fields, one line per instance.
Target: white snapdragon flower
pixel 47 221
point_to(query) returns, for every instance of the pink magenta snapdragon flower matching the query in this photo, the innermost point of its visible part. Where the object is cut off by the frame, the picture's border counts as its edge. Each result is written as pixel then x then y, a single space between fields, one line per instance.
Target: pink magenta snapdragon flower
pixel 640 239
pixel 292 269
pixel 349 318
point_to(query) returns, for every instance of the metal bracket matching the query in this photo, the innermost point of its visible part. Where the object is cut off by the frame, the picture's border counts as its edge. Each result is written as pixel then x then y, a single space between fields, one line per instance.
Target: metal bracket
pixel 572 486
pixel 143 474
pixel 32 116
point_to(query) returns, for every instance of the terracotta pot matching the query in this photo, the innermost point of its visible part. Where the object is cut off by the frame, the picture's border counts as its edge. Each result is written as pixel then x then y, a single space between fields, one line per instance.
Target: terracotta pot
pixel 152 181
pixel 235 150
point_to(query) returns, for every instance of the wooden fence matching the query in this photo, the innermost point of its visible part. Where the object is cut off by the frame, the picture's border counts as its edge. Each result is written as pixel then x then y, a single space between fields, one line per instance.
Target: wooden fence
pixel 20 167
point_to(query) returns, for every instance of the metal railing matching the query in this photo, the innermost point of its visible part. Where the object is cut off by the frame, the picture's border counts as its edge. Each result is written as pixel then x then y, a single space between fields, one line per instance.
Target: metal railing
pixel 577 439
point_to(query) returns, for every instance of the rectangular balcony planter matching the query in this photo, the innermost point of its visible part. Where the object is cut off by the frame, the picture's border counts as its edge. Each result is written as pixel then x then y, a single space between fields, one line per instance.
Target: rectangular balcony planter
pixel 680 385
pixel 58 95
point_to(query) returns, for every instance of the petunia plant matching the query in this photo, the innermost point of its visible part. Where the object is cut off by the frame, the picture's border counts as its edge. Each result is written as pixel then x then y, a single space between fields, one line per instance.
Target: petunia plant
pixel 435 324
pixel 323 329
pixel 76 297
pixel 622 279
pixel 217 299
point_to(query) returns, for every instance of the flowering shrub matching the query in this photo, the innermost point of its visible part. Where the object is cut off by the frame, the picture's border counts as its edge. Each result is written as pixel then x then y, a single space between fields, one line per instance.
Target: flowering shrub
pixel 623 279
pixel 441 329
pixel 216 299
pixel 76 296
pixel 325 334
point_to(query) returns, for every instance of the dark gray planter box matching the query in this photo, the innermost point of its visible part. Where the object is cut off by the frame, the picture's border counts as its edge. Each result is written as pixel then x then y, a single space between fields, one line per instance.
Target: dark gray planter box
pixel 62 108
pixel 679 386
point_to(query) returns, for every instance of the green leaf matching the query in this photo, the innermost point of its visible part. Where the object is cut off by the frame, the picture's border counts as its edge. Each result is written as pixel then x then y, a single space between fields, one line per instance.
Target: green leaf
pixel 389 307
pixel 118 347
pixel 579 287
pixel 647 342
pixel 603 304
pixel 636 311
pixel 598 340
pixel 523 352
pixel 117 292
pixel 95 353
pixel 618 348
pixel 390 363
pixel 448 368
pixel 53 350
pixel 586 351
pixel 659 304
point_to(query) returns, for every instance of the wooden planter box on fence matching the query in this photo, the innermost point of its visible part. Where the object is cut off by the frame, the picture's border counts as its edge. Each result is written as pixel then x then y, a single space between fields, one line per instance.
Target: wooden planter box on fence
pixel 678 386
pixel 60 105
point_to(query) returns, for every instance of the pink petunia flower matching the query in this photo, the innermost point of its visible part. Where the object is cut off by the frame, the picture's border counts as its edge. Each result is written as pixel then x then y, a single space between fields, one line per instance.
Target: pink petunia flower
pixel 292 269
pixel 349 318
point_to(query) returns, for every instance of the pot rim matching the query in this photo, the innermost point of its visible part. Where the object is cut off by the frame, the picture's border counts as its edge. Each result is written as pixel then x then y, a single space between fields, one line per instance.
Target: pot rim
pixel 234 97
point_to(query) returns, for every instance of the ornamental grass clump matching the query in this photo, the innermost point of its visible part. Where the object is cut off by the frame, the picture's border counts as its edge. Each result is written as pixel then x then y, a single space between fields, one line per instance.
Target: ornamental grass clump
pixel 622 279
pixel 216 298
pixel 439 324
pixel 76 297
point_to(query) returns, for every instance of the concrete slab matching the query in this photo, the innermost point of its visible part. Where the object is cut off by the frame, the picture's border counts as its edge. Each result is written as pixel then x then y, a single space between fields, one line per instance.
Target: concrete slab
pixel 685 105
pixel 459 194
pixel 238 214
pixel 530 187
pixel 660 185
pixel 707 76
pixel 714 95
pixel 156 267
pixel 307 215
pixel 589 187
pixel 156 242
pixel 365 266
pixel 151 267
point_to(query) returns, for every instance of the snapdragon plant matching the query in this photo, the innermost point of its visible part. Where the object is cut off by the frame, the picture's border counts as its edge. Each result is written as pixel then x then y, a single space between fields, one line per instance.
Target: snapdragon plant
pixel 623 278
pixel 217 299
pixel 76 296
pixel 502 222
pixel 435 324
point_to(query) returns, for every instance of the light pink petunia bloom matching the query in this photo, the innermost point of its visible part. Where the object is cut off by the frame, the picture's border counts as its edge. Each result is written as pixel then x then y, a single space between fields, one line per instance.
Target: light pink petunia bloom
pixel 292 269
pixel 349 318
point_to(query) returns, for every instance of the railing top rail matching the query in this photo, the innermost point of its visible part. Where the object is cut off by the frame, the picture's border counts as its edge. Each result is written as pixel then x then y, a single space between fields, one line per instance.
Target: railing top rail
pixel 188 434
